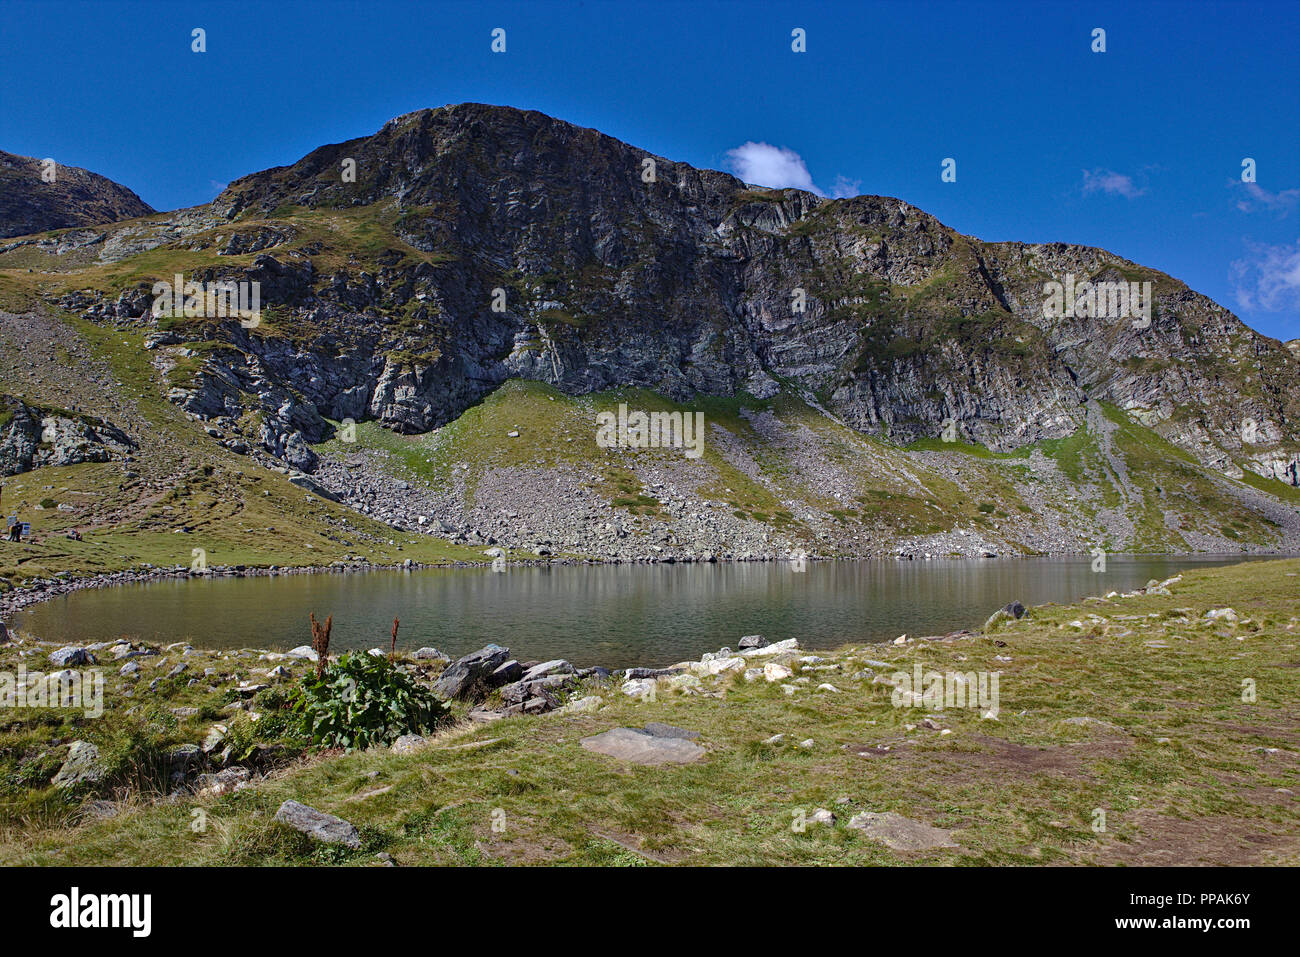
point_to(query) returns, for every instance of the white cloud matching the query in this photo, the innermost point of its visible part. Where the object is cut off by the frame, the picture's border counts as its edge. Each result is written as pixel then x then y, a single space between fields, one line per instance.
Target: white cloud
pixel 772 166
pixel 1109 182
pixel 1269 280
pixel 845 187
pixel 1256 197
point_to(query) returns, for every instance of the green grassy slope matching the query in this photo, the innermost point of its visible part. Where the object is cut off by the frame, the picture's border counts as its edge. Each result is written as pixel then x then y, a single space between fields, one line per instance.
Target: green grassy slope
pixel 233 509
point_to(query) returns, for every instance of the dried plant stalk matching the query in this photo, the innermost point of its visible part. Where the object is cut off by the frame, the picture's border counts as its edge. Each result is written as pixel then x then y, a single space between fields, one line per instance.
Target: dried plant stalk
pixel 320 641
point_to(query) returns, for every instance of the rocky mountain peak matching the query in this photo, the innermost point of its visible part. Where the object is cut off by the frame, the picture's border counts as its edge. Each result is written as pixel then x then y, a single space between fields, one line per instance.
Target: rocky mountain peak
pixel 476 154
pixel 414 271
pixel 31 203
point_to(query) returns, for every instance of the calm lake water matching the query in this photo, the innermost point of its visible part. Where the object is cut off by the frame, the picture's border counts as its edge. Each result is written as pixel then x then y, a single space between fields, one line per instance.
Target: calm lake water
pixel 615 616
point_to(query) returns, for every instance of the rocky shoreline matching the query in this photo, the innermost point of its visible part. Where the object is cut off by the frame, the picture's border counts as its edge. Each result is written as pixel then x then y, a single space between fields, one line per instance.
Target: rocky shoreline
pixel 486 685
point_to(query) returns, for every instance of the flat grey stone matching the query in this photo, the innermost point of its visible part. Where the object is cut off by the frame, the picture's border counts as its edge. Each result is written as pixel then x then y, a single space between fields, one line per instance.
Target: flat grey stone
pixel 509 672
pixel 638 747
pixel 224 781
pixel 557 666
pixel 214 739
pixel 82 764
pixel 900 833
pixel 521 691
pixel 661 730
pixel 318 825
pixel 635 674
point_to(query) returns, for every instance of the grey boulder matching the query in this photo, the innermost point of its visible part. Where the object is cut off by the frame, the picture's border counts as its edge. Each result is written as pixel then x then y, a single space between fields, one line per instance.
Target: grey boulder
pixel 464 675
pixel 67 657
pixel 521 691
pixel 1010 612
pixel 408 743
pixel 318 825
pixel 557 666
pixel 512 670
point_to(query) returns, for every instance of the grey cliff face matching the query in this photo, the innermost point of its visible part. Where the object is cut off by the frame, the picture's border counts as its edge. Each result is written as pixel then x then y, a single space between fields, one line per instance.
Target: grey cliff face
pixel 32 437
pixel 521 246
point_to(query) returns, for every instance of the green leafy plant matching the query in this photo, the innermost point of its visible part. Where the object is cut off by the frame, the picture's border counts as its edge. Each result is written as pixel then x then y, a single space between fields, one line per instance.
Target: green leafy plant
pixel 241 738
pixel 361 700
pixel 278 721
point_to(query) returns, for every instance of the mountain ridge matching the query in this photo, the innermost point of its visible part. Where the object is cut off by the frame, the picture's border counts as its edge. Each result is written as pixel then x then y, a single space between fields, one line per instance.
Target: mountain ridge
pixel 415 183
pixel 378 308
pixel 75 197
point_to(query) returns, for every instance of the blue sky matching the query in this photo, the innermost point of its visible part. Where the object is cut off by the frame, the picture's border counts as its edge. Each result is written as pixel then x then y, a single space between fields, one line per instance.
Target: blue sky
pixel 1138 149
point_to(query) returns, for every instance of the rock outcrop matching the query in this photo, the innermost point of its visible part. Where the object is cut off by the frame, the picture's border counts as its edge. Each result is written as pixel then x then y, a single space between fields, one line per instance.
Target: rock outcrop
pixel 36 196
pixel 31 437
pixel 471 673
